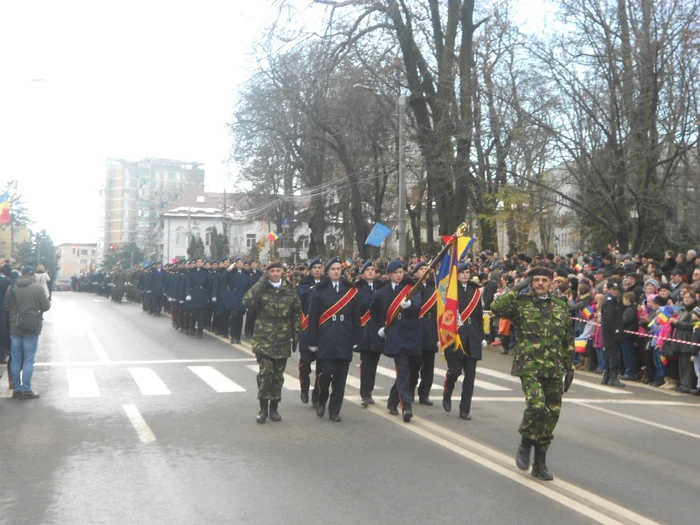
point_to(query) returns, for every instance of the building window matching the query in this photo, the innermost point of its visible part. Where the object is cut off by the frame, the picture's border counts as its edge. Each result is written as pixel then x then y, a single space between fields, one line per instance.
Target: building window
pixel 83 252
pixel 180 236
pixel 207 236
pixel 250 240
pixel 195 232
pixel 83 261
pixel 304 242
pixel 93 252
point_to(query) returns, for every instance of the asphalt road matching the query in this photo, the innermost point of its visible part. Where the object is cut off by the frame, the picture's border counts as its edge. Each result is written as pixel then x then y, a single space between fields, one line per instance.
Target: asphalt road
pixel 140 424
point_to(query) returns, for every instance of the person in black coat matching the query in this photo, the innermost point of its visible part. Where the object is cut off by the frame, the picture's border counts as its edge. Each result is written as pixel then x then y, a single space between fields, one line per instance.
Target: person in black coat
pixel 428 317
pixel 404 337
pixel 470 322
pixel 490 289
pixel 334 326
pixel 611 325
pixel 156 285
pixel 198 295
pixel 250 315
pixel 630 323
pixel 306 357
pixel 370 345
pixel 238 281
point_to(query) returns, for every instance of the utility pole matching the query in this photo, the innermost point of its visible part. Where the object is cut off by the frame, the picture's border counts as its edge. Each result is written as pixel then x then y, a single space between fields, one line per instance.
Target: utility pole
pixel 402 175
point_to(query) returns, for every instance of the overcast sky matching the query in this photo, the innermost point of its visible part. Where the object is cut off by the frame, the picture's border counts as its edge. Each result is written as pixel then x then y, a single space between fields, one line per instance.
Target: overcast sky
pixel 125 79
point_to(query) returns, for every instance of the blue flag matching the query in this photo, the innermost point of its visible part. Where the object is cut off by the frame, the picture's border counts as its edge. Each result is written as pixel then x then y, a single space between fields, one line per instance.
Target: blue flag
pixel 377 235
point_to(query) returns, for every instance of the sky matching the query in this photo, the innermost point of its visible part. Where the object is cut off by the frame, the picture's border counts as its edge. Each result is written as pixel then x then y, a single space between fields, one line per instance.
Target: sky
pixel 82 81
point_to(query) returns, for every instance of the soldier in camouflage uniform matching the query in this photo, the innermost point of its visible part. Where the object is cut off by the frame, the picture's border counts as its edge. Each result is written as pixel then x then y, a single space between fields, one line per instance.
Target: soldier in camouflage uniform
pixel 541 359
pixel 277 328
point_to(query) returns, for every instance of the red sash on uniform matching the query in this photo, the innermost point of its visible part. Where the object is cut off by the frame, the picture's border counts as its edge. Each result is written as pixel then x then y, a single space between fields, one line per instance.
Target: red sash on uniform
pixel 428 304
pixel 472 304
pixel 365 318
pixel 338 306
pixel 395 304
pixel 304 321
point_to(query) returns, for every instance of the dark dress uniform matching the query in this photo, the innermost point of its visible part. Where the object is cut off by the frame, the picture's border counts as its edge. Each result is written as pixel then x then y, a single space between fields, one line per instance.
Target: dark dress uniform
pixel 611 327
pixel 370 345
pixel 335 339
pixel 306 357
pixel 471 333
pixel 219 290
pixel 426 371
pixel 251 313
pixel 198 289
pixel 156 284
pixel 403 341
pixel 238 282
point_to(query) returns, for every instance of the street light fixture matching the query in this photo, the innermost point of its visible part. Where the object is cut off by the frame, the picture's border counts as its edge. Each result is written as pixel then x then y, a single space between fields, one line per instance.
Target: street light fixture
pixel 402 167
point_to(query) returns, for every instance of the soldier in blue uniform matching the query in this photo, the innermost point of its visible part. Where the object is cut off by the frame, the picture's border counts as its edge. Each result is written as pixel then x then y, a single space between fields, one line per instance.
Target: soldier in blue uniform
pixel 470 323
pixel 428 317
pixel 306 357
pixel 370 345
pixel 198 295
pixel 156 284
pixel 404 337
pixel 334 323
pixel 238 281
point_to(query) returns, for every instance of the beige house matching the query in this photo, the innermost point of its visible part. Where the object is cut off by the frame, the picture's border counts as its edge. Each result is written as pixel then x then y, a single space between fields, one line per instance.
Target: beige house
pixel 75 259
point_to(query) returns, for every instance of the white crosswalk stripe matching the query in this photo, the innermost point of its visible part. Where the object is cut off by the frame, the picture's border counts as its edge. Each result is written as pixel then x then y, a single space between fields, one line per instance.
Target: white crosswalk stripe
pixel 215 379
pixel 81 383
pixel 148 382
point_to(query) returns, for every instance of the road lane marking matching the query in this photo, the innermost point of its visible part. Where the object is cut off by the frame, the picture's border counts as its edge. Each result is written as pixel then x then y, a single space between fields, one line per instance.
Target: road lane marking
pixel 97 346
pixel 490 386
pixel 291 383
pixel 642 421
pixel 577 382
pixel 388 372
pixel 144 362
pixel 577 499
pixel 215 379
pixel 643 402
pixel 142 429
pixel 149 382
pixel 81 383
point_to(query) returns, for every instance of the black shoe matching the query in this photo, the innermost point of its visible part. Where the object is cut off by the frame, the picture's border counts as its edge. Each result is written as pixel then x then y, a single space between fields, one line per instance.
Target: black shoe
pixel 364 403
pixel 447 403
pixel 407 415
pixel 393 410
pixel 16 394
pixel 305 397
pixel 606 378
pixel 262 415
pixel 615 381
pixel 320 409
pixel 29 395
pixel 314 402
pixel 232 341
pixel 335 418
pixel 657 382
pixel 238 341
pixel 425 401
pixel 522 458
pixel 683 389
pixel 370 400
pixel 465 415
pixel 539 466
pixel 274 415
pixel 199 335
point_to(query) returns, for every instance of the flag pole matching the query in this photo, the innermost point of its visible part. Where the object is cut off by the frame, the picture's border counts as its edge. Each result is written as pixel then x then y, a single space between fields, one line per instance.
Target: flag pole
pixel 461 229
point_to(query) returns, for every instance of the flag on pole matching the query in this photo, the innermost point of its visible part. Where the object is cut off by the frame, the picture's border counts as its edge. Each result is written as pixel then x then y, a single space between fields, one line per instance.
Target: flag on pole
pixel 272 236
pixel 580 345
pixel 377 235
pixel 448 304
pixel 347 263
pixel 663 316
pixel 588 312
pixel 4 208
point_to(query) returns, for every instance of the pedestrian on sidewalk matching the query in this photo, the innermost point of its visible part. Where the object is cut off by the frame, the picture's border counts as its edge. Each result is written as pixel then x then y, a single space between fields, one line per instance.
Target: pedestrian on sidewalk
pixel 277 330
pixel 25 301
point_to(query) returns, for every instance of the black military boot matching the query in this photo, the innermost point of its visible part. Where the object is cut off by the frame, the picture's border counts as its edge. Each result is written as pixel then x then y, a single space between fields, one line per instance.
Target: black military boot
pixel 522 459
pixel 615 379
pixel 262 415
pixel 425 400
pixel 305 397
pixel 274 415
pixel 539 466
pixel 320 409
pixel 606 377
pixel 447 400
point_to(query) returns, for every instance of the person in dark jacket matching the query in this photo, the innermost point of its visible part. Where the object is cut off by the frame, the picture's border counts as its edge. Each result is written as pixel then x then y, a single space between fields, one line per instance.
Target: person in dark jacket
pixel 633 283
pixel 630 323
pixel 250 315
pixel 683 330
pixel 370 345
pixel 470 322
pixel 428 317
pixel 403 337
pixel 238 282
pixel 611 324
pixel 156 286
pixel 5 282
pixel 25 297
pixel 197 295
pixel 334 326
pixel 306 357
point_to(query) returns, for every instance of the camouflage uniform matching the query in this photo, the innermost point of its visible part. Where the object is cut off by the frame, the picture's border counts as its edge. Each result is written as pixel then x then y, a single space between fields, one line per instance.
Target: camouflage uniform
pixel 544 340
pixel 278 322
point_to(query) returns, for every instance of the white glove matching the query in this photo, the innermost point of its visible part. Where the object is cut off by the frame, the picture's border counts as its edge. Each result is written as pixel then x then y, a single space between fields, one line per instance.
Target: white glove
pixel 405 303
pixel 354 347
pixel 381 332
pixel 188 298
pixel 230 268
pixel 459 321
pixel 438 346
pixel 313 349
pixel 180 302
pixel 213 299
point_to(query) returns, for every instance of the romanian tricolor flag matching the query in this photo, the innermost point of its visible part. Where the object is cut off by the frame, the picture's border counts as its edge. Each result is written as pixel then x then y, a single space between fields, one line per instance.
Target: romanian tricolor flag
pixel 347 263
pixel 664 361
pixel 664 315
pixel 448 304
pixel 578 267
pixel 272 236
pixel 580 345
pixel 4 208
pixel 588 312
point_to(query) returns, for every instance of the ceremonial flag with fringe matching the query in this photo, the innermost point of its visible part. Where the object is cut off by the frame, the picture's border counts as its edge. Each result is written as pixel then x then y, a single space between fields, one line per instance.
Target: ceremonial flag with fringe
pixel 448 303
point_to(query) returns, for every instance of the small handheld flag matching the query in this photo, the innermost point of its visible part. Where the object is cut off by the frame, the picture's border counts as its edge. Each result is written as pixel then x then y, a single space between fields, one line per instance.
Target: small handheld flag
pixel 580 345
pixel 272 236
pixel 588 312
pixel 578 267
pixel 4 208
pixel 347 263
